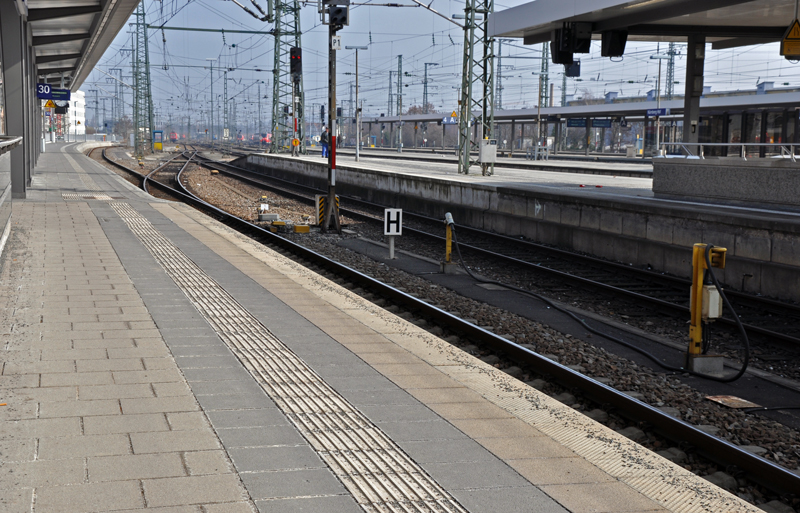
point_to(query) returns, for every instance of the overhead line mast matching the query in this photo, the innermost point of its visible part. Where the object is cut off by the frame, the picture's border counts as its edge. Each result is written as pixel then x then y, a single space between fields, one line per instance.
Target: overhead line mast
pixel 477 83
pixel 142 95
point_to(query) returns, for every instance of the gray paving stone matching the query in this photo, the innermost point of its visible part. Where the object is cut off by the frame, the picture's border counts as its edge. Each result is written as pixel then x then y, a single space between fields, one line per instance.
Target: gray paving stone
pixel 330 504
pixel 207 462
pixel 527 499
pixel 43 427
pixel 171 389
pixel 90 497
pixel 217 374
pixel 226 387
pixel 41 473
pixel 247 418
pixel 81 446
pixel 216 350
pixel 92 393
pixel 187 421
pixel 399 413
pixel 420 431
pixel 17 449
pixel 295 483
pixel 75 378
pixel 260 436
pixel 193 490
pixel 42 395
pixel 444 451
pixel 125 424
pixel 79 408
pixel 117 364
pixel 457 476
pixel 135 466
pixel 173 441
pixel 229 507
pixel 159 404
pixel 146 376
pixel 351 369
pixel 203 362
pixel 235 402
pixel 16 500
pixel 255 459
pixel 360 383
pixel 379 397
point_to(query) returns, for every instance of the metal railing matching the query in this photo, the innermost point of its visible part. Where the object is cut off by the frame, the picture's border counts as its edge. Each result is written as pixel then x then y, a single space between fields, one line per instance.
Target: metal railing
pixel 787 150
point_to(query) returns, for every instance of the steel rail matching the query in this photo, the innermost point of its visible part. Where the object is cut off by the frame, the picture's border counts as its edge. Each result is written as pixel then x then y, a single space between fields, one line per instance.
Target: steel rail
pixel 675 283
pixel 722 452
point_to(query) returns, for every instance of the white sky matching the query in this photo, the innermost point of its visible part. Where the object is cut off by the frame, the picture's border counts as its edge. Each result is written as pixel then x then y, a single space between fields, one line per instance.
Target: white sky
pixel 419 35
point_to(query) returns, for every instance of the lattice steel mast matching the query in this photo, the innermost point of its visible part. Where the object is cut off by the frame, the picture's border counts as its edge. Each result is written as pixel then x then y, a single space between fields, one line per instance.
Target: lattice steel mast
pixel 142 96
pixel 670 90
pixel 477 83
pixel 287 95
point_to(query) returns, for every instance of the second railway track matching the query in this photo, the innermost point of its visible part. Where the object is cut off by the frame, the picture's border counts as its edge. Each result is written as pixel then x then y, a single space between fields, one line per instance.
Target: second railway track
pixel 774 320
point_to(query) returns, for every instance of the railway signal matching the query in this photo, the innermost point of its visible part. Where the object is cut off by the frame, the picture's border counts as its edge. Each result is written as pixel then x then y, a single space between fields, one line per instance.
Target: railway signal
pixel 296 63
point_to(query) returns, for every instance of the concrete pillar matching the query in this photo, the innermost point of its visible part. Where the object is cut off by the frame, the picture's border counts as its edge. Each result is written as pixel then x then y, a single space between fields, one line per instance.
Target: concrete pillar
pixel 18 111
pixel 695 60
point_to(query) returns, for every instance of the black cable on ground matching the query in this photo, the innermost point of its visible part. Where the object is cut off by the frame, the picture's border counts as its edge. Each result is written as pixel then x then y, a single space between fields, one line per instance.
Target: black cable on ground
pixel 622 342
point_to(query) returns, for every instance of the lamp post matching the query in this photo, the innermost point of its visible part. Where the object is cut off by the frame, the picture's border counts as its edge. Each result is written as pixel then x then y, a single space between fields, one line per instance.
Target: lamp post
pixel 659 57
pixel 358 109
pixel 212 99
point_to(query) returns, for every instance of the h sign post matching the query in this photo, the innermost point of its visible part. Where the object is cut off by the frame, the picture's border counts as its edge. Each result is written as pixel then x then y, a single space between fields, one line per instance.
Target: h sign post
pixel 392 225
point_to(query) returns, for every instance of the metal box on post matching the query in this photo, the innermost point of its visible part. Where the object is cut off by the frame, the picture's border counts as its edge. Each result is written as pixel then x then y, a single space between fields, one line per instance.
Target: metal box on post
pixel 488 154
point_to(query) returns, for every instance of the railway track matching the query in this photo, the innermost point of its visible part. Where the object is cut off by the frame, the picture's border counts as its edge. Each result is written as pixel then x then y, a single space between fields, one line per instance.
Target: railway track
pixel 723 453
pixel 774 321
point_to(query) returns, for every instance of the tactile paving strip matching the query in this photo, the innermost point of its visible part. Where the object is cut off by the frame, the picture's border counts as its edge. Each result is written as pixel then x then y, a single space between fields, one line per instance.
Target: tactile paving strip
pixel 381 477
pixel 75 196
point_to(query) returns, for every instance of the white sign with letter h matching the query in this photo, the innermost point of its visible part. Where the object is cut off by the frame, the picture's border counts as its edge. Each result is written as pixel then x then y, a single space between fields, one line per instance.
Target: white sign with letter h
pixel 392 225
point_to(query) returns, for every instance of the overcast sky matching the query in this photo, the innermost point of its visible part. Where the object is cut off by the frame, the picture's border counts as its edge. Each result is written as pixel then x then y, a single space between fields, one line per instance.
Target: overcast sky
pixel 415 33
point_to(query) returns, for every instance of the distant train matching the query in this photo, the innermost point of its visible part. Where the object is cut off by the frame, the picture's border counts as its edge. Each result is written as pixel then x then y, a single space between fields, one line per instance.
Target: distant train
pixel 173 136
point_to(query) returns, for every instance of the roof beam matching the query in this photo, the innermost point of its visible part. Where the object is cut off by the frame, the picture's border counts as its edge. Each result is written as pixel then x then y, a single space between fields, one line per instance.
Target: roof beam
pixel 43 59
pixel 62 12
pixel 736 42
pixel 61 38
pixel 770 33
pixel 50 71
pixel 662 13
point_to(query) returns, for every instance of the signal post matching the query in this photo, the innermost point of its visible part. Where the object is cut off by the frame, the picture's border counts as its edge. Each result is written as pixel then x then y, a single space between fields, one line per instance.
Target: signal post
pixel 335 14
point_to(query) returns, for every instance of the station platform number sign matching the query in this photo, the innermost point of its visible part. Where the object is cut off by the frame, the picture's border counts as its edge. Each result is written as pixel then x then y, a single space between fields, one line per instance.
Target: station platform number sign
pixel 47 92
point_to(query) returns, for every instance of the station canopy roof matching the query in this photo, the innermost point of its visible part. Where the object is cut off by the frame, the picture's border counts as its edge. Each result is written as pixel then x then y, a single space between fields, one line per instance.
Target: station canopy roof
pixel 70 36
pixel 725 23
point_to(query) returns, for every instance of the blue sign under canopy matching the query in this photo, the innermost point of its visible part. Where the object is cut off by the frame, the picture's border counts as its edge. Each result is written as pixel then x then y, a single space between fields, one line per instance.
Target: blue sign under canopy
pixel 576 123
pixel 47 92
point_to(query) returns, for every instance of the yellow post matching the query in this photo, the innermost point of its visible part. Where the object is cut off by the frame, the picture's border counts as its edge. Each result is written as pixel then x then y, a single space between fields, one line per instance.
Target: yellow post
pixel 699 310
pixel 449 246
pixel 698 271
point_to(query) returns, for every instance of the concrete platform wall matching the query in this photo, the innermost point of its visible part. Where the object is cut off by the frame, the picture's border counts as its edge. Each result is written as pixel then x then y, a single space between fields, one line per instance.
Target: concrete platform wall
pixel 631 230
pixel 774 183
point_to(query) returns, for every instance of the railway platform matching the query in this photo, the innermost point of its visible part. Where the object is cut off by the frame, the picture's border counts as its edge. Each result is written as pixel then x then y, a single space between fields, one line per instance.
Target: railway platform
pixel 154 359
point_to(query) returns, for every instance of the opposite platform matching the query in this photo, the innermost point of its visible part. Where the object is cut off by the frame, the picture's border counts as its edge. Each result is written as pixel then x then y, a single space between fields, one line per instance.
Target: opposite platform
pixel 154 359
pixel 611 217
